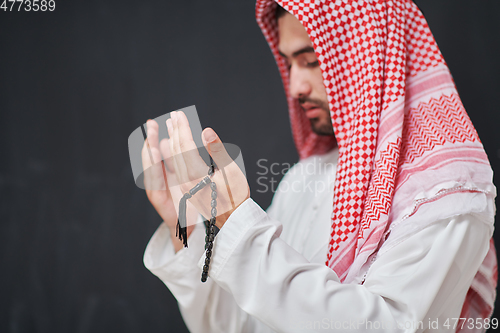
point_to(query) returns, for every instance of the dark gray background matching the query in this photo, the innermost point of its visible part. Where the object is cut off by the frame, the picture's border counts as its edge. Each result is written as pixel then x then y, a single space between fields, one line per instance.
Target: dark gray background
pixel 76 82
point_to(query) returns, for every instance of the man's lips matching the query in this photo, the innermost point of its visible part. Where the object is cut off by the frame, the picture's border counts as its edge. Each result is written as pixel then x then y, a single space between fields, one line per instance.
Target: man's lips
pixel 312 111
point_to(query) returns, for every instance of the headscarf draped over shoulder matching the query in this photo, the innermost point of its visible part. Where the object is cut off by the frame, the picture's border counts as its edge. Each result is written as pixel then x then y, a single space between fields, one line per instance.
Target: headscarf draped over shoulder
pixel 405 140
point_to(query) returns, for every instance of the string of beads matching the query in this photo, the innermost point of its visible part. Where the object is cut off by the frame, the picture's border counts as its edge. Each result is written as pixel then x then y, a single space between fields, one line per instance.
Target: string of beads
pixel 211 229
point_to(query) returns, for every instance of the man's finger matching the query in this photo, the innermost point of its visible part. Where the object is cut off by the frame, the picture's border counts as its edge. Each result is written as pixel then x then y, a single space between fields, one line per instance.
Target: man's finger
pixel 153 174
pixel 186 142
pixel 167 155
pixel 216 148
pixel 195 164
pixel 152 139
pixel 177 158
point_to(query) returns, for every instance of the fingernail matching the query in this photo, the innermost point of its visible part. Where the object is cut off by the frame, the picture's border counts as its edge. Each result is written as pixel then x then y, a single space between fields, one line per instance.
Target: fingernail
pixel 209 136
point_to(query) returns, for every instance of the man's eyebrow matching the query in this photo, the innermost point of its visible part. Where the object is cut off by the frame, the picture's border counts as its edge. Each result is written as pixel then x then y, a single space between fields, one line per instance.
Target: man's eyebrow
pixel 306 49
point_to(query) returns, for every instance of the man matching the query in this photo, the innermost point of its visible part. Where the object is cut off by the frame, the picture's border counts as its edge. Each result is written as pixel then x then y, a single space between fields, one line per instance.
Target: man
pixel 407 247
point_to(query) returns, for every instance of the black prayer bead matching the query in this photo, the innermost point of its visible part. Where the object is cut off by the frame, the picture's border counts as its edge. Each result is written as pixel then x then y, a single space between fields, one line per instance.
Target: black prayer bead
pixel 209 225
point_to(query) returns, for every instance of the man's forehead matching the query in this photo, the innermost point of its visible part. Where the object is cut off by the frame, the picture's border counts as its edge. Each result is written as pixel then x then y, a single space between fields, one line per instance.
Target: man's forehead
pixel 293 36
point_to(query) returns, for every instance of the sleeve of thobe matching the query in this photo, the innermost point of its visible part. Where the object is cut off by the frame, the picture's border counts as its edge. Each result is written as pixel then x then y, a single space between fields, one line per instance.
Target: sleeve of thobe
pixel 410 283
pixel 205 307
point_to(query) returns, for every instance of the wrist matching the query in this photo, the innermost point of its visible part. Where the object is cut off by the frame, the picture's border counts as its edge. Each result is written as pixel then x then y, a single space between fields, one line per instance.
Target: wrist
pixel 222 219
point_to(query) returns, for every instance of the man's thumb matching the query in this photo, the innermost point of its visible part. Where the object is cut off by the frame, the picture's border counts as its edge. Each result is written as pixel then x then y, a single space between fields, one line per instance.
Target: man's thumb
pixel 216 148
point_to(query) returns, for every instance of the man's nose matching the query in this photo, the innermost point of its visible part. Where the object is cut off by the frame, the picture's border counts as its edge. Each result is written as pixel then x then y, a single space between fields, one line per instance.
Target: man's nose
pixel 299 85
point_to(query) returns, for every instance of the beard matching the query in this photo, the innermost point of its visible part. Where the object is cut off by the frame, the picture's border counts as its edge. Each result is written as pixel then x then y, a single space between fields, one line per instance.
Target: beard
pixel 321 125
pixel 321 128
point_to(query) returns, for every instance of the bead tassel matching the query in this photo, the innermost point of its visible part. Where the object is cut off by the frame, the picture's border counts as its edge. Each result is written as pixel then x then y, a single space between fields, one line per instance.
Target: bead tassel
pixel 181 228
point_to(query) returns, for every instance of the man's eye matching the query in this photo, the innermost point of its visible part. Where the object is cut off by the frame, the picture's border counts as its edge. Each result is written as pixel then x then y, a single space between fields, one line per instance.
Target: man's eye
pixel 313 64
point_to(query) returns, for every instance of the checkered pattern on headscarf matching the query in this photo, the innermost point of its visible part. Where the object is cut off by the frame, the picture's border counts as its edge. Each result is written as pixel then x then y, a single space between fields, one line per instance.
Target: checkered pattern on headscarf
pixel 395 112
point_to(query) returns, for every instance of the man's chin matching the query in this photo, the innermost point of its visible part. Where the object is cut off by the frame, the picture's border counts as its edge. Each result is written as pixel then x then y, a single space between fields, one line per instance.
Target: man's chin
pixel 321 129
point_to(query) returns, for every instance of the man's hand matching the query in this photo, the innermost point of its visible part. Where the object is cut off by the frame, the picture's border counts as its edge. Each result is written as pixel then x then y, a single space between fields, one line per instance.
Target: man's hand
pixel 232 185
pixel 161 183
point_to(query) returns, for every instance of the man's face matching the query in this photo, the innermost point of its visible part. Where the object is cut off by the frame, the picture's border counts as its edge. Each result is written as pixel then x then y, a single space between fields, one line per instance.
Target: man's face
pixel 306 80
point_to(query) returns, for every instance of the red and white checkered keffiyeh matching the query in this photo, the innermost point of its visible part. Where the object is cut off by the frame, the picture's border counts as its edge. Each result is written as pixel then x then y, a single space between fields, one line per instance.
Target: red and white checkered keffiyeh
pixel 404 137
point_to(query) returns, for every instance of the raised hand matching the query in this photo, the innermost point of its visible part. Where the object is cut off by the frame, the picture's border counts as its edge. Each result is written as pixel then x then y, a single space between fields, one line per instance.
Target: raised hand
pixel 232 185
pixel 161 182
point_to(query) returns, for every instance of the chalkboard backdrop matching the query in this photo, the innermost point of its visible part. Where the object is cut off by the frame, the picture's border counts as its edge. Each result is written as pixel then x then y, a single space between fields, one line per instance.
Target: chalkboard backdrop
pixel 75 82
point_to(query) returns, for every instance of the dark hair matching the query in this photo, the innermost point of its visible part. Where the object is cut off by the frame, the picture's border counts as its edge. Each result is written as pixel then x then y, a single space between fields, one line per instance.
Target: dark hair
pixel 280 11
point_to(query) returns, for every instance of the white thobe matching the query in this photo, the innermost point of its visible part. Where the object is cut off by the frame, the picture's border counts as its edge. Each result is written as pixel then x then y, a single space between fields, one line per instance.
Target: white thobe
pixel 268 272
